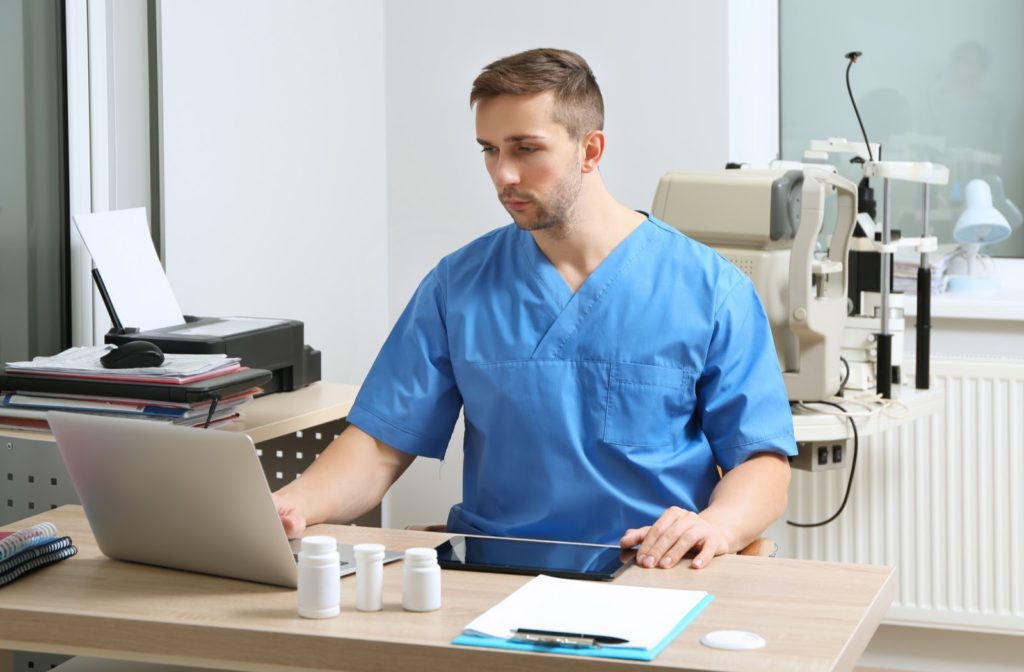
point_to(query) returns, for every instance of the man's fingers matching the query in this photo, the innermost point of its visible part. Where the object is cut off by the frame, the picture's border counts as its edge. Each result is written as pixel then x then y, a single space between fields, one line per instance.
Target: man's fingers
pixel 684 545
pixel 664 535
pixel 676 544
pixel 706 555
pixel 293 525
pixel 633 536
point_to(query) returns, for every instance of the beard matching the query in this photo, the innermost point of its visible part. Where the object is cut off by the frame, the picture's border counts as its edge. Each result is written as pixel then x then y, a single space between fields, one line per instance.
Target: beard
pixel 552 211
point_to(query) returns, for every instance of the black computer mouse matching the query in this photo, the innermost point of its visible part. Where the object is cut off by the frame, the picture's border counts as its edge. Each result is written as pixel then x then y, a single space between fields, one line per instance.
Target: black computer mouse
pixel 133 355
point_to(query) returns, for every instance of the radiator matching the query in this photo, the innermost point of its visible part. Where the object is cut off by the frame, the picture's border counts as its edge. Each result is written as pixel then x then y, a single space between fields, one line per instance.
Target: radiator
pixel 941 498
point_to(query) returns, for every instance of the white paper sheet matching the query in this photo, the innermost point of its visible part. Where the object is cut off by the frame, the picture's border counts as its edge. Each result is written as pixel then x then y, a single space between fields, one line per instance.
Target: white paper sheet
pixel 122 249
pixel 643 616
pixel 85 359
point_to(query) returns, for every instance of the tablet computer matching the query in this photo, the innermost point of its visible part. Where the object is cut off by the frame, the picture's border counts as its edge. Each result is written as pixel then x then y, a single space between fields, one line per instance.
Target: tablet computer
pixel 527 556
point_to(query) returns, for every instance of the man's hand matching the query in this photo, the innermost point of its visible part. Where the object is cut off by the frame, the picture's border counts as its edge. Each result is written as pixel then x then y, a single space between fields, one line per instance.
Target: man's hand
pixel 743 504
pixel 293 523
pixel 674 534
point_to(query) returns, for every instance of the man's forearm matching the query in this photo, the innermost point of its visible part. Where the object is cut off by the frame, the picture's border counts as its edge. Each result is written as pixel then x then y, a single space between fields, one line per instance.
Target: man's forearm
pixel 348 479
pixel 749 498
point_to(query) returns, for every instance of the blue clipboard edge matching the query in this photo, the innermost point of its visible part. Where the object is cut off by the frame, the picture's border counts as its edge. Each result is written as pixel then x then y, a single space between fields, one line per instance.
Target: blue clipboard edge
pixel 622 652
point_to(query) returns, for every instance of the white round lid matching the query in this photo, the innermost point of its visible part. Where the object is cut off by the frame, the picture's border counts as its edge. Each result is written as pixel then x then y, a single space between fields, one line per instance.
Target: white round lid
pixel 734 640
pixel 368 549
pixel 318 545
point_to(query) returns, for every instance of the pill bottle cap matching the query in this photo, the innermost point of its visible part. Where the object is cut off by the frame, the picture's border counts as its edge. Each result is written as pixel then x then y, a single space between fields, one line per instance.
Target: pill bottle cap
pixel 420 557
pixel 369 551
pixel 318 545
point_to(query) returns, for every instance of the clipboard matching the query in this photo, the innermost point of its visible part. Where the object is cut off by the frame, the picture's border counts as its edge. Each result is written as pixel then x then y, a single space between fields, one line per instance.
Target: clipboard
pixel 641 620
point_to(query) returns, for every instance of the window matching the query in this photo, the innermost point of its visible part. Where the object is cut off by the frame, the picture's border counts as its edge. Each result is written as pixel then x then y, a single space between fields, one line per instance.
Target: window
pixel 33 180
pixel 938 81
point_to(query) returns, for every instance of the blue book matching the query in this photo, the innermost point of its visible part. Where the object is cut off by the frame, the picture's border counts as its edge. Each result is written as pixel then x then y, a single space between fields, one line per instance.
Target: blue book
pixel 24 401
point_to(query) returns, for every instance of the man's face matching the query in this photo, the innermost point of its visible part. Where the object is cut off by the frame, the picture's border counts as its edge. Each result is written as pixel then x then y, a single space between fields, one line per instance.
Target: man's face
pixel 534 164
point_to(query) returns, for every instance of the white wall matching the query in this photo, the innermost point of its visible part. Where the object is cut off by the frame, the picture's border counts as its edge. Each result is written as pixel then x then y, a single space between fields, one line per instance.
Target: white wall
pixel 272 117
pixel 319 158
pixel 664 69
pixel 128 54
pixel 753 81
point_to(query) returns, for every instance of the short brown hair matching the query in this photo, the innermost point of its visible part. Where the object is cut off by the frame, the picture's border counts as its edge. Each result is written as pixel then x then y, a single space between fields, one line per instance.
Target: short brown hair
pixel 578 102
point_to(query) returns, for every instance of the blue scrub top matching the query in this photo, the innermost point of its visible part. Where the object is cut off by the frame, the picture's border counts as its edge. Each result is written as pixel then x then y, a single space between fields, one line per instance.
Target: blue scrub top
pixel 590 413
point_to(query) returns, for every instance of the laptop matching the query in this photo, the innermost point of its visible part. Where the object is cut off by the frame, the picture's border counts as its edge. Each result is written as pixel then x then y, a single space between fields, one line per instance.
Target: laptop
pixel 179 497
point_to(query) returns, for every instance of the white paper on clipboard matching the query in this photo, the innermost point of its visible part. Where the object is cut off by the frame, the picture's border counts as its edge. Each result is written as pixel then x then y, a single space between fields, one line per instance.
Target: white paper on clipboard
pixel 122 249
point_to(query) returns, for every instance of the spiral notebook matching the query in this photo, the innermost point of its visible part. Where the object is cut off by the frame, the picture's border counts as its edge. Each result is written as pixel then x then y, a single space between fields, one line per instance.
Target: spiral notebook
pixel 35 557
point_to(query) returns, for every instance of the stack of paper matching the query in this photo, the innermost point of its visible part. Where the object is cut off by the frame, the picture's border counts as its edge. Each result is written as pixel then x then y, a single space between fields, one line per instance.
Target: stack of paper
pixel 642 621
pixel 35 406
pixel 84 362
pixel 26 408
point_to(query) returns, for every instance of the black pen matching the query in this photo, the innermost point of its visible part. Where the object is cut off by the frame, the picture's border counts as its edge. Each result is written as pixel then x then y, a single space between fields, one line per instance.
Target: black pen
pixel 571 638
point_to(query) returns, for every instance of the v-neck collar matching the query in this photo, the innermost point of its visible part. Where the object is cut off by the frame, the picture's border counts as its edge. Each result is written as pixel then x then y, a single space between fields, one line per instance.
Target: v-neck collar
pixel 569 309
pixel 551 282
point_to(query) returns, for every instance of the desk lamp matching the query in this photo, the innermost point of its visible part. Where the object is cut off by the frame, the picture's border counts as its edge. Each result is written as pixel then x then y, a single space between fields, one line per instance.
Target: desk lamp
pixel 1004 205
pixel 979 224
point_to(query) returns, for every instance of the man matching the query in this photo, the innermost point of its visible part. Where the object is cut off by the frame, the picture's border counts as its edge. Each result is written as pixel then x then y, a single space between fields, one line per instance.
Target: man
pixel 606 364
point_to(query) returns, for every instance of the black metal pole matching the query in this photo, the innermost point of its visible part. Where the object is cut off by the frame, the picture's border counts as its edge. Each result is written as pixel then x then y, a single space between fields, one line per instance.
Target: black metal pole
pixel 924 327
pixel 98 279
pixel 884 364
pixel 924 302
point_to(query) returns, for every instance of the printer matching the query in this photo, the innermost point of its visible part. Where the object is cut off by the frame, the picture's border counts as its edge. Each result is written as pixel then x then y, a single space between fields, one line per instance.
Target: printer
pixel 262 343
pixel 142 306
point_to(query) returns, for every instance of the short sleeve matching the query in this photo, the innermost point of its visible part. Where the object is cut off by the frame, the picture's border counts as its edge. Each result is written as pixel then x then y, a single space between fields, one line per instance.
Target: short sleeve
pixel 744 405
pixel 409 399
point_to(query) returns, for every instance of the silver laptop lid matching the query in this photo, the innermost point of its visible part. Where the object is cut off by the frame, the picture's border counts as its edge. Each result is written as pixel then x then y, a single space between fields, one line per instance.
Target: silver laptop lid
pixel 177 497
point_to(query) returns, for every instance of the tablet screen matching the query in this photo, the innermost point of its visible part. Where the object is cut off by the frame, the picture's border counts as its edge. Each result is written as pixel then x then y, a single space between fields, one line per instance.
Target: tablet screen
pixel 521 556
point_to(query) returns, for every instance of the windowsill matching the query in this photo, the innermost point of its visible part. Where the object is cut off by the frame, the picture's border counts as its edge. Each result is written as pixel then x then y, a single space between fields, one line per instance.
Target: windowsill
pixel 1004 304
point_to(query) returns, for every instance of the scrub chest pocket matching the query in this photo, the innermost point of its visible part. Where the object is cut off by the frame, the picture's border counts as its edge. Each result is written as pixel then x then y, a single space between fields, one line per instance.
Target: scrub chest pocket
pixel 648 405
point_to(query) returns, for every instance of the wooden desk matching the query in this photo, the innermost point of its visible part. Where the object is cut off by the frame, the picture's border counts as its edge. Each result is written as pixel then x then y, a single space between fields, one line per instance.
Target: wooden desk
pixel 285 413
pixel 37 480
pixel 814 615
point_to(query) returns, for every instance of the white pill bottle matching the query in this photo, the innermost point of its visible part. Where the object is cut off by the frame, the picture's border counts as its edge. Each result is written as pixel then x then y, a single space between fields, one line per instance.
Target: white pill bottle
pixel 421 580
pixel 369 576
pixel 319 578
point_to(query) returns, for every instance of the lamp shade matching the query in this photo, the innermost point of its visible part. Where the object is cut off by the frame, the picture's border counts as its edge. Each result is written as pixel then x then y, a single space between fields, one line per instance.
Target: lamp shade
pixel 980 223
pixel 1004 205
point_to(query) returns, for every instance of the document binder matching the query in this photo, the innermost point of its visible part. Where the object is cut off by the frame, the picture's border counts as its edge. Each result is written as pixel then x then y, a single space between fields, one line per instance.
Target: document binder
pixel 203 390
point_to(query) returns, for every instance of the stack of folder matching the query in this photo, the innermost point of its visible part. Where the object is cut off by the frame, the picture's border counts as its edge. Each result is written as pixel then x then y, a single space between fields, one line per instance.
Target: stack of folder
pixel 186 390
pixel 30 548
